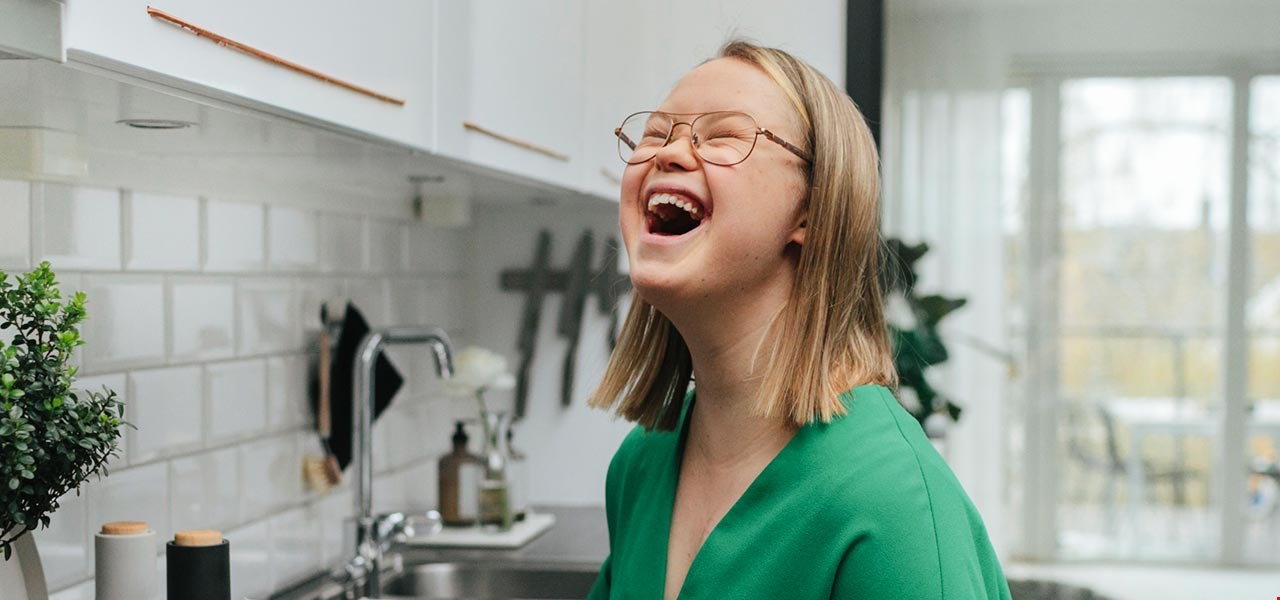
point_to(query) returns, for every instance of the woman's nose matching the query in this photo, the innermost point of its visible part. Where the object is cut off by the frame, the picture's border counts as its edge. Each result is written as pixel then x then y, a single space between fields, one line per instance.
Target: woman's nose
pixel 678 153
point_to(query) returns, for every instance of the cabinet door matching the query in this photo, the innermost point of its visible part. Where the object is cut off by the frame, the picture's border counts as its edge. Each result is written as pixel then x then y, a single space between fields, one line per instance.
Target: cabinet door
pixel 453 77
pixel 812 30
pixel 385 46
pixel 621 72
pixel 526 88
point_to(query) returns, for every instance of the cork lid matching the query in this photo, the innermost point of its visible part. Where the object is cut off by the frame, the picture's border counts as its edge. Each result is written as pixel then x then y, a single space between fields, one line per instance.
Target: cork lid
pixel 124 528
pixel 197 537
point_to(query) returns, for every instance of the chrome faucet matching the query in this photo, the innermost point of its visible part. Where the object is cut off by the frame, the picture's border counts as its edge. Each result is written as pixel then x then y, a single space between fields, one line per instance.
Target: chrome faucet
pixel 374 533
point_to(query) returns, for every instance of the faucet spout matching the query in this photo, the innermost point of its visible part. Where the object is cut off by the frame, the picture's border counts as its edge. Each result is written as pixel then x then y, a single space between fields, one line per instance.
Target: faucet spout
pixel 368 543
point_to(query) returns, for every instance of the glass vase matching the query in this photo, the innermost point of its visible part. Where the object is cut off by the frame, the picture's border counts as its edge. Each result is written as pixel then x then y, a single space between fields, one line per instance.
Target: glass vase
pixel 495 481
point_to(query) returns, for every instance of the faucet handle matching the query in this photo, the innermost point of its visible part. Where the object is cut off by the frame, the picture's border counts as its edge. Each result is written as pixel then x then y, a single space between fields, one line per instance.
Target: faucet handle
pixel 421 525
pixel 387 525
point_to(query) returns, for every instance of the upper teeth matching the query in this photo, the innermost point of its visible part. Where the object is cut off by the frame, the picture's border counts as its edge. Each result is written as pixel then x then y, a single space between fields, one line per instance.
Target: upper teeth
pixel 689 207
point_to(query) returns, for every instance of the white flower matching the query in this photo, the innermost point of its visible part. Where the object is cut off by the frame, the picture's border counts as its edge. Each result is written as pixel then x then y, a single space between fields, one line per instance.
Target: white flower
pixel 477 369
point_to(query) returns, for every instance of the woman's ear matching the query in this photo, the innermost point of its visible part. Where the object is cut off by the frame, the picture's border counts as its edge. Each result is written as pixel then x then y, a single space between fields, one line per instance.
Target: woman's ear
pixel 798 234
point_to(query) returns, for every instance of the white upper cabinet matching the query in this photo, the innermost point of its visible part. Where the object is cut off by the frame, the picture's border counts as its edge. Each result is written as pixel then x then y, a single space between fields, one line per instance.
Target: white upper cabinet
pixel 526 89
pixel 531 88
pixel 621 77
pixel 384 47
pixel 452 106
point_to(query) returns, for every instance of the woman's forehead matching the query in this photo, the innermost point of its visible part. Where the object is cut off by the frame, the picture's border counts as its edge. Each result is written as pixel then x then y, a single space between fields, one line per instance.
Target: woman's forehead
pixel 728 84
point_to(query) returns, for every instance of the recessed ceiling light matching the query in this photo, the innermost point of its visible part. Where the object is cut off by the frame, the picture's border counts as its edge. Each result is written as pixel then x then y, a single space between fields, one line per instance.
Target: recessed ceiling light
pixel 156 123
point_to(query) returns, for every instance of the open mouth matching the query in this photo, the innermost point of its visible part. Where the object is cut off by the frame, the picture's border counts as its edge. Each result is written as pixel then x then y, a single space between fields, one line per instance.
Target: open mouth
pixel 672 215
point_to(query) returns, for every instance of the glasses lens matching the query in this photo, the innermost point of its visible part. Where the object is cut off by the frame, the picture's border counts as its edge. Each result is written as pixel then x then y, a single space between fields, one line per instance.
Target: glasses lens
pixel 725 138
pixel 641 135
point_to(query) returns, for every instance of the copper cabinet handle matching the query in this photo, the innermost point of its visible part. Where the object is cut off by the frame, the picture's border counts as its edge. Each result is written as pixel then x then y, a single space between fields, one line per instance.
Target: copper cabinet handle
pixel 516 141
pixel 156 13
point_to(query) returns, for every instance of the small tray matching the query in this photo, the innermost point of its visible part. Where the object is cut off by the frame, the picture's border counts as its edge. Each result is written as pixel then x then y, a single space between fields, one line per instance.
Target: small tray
pixel 521 533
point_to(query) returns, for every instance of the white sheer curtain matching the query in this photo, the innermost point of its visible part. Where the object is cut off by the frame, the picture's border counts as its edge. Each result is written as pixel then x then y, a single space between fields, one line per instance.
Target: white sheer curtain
pixel 941 140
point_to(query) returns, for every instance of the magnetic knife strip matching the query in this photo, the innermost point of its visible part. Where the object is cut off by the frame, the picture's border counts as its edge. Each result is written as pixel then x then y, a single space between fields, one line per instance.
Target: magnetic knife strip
pixel 577 281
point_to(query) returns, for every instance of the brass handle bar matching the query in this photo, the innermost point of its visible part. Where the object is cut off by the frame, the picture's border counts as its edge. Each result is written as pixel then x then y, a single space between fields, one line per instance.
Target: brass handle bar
pixel 156 13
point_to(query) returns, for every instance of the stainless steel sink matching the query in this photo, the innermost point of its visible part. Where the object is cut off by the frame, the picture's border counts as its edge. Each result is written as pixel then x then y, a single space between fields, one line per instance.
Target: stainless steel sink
pixel 458 580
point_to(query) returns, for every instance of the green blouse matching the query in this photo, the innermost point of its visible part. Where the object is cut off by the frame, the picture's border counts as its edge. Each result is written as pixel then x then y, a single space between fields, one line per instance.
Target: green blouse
pixel 862 507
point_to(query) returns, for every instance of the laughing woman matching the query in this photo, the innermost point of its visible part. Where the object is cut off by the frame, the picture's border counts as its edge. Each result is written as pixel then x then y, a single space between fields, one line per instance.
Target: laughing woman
pixel 749 212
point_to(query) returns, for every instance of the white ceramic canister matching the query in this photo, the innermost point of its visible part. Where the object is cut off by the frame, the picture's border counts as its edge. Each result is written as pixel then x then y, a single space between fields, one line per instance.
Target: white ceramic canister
pixel 125 562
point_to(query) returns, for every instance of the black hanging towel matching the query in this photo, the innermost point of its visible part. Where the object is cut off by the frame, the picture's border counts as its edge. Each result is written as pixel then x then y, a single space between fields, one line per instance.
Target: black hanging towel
pixel 387 382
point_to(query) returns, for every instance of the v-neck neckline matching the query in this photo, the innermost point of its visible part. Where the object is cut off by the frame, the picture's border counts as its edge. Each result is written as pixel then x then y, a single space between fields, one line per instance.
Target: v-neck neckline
pixel 673 482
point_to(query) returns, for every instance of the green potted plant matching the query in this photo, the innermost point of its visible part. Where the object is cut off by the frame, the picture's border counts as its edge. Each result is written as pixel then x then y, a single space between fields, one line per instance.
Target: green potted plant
pixel 917 344
pixel 52 438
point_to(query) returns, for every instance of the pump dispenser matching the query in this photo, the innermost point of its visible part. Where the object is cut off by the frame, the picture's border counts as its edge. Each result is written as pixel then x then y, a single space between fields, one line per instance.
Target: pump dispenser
pixel 459 475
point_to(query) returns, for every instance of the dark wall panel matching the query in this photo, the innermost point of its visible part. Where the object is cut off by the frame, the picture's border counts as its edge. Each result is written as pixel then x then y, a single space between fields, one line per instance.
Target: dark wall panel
pixel 864 69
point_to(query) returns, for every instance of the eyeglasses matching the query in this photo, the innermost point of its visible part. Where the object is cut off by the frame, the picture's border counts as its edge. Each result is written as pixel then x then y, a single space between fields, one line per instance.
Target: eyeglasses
pixel 723 138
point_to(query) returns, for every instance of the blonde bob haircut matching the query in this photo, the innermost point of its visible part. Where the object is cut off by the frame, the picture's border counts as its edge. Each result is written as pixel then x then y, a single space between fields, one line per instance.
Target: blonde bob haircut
pixel 832 334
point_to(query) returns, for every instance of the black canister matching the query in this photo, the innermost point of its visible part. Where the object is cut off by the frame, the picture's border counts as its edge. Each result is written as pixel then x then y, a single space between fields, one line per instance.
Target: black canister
pixel 199 566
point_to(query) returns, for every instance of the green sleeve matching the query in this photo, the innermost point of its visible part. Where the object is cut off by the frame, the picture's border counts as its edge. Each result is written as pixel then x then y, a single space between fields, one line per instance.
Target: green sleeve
pixel 925 540
pixel 881 568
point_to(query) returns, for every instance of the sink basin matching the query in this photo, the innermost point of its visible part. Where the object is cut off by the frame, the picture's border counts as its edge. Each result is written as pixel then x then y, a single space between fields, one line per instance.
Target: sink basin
pixel 458 580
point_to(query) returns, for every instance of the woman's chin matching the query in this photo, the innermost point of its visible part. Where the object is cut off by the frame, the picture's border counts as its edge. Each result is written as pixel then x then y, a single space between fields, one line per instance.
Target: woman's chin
pixel 662 288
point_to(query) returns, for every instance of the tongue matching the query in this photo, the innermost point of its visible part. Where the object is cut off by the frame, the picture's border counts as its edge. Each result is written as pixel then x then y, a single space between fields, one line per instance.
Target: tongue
pixel 673 220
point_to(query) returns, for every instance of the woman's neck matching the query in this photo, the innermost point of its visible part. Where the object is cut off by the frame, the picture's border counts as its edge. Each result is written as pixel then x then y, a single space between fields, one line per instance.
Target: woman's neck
pixel 729 350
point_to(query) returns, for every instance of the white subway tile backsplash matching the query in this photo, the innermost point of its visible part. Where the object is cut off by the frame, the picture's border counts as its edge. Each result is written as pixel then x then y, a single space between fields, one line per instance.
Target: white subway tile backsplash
pixel 337 525
pixel 271 475
pixel 166 411
pixel 293 238
pixel 433 301
pixel 234 236
pixel 287 401
pixel 296 536
pixel 203 319
pixel 125 322
pixel 386 246
pixel 212 355
pixel 15 227
pixel 371 299
pixel 205 490
pixel 420 487
pixel 77 227
pixel 237 404
pixel 163 232
pixel 406 441
pixel 134 494
pixel 268 317
pixel 436 250
pixel 64 545
pixel 250 561
pixel 388 493
pixel 411 302
pixel 344 243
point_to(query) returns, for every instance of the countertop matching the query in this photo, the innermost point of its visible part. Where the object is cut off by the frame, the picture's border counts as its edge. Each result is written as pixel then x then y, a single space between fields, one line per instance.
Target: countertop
pixel 579 535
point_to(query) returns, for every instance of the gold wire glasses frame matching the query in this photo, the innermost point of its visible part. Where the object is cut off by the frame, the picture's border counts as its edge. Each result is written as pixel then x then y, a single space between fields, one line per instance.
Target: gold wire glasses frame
pixel 733 147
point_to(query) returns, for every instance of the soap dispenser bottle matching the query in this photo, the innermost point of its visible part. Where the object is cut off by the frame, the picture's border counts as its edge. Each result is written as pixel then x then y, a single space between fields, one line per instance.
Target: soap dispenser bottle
pixel 458 475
